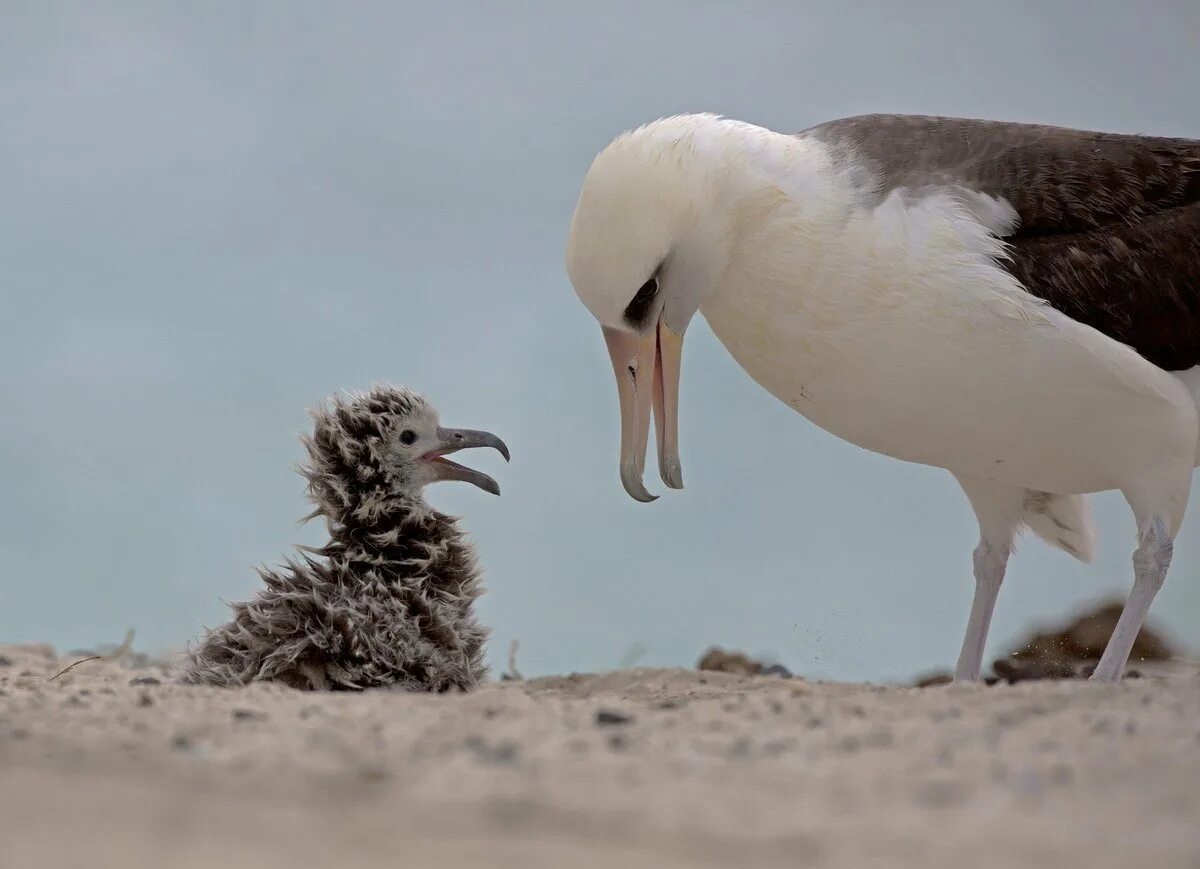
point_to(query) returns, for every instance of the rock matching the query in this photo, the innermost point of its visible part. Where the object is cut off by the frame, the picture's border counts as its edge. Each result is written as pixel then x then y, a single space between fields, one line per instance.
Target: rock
pixel 736 663
pixel 1072 651
pixel 612 717
pixel 718 660
pixel 145 680
pixel 929 680
pixel 504 752
pixel 1031 669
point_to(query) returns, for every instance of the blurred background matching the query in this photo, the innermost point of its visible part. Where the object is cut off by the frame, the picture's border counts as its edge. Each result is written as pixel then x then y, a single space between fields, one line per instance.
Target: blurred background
pixel 214 215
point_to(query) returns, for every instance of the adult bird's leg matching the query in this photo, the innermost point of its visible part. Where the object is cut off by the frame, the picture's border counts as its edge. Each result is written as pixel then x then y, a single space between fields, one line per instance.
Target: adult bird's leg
pixel 998 508
pixel 1150 562
pixel 990 562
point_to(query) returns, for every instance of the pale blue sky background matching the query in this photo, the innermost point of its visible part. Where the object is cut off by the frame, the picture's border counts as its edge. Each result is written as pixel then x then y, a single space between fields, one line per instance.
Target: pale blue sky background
pixel 214 214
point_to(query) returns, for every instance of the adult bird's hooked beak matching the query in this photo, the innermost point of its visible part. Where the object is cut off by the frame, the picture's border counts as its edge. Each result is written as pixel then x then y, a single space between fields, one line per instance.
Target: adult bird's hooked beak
pixel 451 440
pixel 647 370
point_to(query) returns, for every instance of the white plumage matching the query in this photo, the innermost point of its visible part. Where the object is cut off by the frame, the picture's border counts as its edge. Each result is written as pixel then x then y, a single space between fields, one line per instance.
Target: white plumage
pixel 878 304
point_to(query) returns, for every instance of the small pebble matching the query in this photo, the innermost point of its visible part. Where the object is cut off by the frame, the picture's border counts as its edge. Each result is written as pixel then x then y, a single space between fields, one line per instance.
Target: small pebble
pixel 1061 774
pixel 145 680
pixel 741 748
pixel 1027 782
pixel 374 773
pixel 502 752
pixel 612 717
pixel 940 794
pixel 879 738
pixel 850 744
pixel 779 746
pixel 248 715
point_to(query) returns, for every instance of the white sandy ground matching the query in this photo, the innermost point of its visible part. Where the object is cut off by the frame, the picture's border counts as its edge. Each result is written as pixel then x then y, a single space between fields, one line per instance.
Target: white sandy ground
pixel 711 770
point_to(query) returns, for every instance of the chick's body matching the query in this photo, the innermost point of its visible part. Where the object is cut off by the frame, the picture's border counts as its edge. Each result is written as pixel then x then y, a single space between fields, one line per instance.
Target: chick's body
pixel 388 601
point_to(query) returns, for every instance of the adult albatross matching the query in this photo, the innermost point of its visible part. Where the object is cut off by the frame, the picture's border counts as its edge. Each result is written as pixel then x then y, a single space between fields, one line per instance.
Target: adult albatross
pixel 1018 304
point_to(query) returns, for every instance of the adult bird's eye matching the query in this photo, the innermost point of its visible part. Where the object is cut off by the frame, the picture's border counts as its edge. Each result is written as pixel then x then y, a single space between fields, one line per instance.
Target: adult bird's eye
pixel 407 436
pixel 638 311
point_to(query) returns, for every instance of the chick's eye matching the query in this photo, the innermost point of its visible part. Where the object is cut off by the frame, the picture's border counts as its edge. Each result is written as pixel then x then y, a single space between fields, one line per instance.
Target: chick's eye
pixel 408 436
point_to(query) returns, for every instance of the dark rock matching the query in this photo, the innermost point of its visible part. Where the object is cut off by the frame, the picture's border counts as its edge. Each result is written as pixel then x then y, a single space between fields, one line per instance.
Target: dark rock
pixel 145 680
pixel 718 660
pixel 248 715
pixel 932 679
pixel 5 661
pixel 612 717
pixel 1082 642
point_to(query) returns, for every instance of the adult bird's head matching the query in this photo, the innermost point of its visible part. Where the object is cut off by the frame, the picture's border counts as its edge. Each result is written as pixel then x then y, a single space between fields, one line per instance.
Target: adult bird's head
pixel 648 244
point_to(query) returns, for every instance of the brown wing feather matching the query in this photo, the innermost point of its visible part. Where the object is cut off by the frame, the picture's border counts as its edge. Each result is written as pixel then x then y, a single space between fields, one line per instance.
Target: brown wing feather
pixel 1136 282
pixel 1109 229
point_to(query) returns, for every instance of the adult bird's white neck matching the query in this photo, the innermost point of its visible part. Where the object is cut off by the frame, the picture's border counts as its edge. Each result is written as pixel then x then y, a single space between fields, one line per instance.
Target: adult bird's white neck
pixel 682 201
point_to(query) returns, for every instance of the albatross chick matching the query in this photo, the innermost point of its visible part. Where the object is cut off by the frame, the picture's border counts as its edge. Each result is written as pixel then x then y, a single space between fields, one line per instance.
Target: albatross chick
pixel 388 600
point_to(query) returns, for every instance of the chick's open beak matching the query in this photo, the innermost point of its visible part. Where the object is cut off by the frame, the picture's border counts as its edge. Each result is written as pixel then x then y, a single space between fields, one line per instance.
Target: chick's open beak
pixel 647 372
pixel 451 440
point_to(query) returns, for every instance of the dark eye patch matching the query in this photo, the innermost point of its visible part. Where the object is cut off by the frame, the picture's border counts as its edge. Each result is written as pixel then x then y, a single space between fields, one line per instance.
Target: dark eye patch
pixel 637 312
